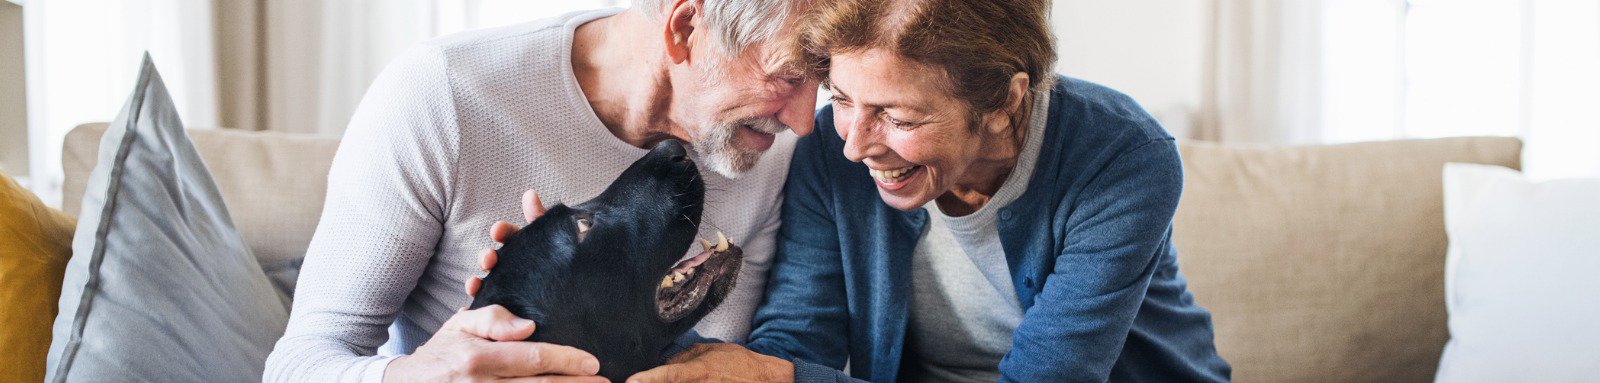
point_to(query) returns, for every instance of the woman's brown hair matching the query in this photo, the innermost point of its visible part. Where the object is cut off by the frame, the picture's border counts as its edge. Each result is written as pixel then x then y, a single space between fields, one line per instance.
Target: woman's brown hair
pixel 979 44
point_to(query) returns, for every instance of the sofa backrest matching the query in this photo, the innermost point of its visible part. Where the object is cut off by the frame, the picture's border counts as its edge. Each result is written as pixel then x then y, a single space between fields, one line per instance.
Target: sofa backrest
pixel 1324 263
pixel 1318 263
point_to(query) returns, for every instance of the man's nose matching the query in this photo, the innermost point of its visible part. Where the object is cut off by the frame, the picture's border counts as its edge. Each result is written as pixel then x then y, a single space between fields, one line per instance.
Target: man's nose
pixel 799 112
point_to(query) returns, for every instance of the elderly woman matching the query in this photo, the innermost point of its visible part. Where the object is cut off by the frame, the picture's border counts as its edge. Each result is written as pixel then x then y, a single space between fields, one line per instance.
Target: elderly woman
pixel 963 214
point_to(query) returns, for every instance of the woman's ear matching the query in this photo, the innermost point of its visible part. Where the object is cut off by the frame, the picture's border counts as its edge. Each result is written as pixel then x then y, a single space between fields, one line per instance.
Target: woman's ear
pixel 1008 116
pixel 681 20
pixel 1017 93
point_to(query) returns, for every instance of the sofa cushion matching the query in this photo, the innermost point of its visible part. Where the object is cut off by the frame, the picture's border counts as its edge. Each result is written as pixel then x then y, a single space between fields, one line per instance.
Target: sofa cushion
pixel 1323 263
pixel 160 286
pixel 273 184
pixel 1520 277
pixel 35 242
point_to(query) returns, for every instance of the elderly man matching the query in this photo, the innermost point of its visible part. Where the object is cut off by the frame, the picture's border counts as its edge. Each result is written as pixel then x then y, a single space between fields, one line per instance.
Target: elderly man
pixel 456 128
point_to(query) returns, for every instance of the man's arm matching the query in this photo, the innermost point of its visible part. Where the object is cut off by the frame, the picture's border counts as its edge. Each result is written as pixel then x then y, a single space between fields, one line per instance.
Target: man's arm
pixel 384 214
pixel 389 191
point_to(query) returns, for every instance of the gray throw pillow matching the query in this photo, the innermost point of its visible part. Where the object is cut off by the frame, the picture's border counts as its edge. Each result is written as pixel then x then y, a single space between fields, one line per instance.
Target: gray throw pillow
pixel 160 286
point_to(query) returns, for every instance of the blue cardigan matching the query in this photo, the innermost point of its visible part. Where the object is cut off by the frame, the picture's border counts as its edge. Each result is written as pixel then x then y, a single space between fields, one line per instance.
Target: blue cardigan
pixel 1089 245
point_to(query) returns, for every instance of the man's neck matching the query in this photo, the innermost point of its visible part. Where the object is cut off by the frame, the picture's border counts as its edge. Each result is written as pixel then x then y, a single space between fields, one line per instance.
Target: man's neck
pixel 623 76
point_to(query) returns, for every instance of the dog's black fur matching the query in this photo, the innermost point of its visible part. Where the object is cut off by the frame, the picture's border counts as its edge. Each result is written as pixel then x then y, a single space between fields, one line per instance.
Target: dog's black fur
pixel 598 290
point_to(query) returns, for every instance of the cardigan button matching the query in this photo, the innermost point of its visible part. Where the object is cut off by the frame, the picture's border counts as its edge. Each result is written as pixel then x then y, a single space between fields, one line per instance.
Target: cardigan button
pixel 1005 215
pixel 1027 282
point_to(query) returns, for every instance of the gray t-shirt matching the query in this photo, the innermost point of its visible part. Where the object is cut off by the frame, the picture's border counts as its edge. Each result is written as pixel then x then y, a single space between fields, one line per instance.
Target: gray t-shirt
pixel 963 307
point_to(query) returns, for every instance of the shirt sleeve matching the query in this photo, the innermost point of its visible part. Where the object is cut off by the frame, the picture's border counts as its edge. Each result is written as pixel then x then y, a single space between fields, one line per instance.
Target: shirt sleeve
pixel 804 317
pixel 1116 233
pixel 387 200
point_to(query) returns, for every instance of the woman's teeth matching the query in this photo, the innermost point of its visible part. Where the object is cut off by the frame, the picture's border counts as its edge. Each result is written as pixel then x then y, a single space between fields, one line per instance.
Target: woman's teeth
pixel 892 175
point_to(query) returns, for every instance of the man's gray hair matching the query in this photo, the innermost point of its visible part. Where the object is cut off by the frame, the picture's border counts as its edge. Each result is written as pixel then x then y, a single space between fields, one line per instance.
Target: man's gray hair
pixel 738 24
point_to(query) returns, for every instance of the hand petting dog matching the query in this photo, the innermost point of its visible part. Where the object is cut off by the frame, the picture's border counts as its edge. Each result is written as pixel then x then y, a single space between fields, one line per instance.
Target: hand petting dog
pixel 718 362
pixel 485 344
pixel 712 362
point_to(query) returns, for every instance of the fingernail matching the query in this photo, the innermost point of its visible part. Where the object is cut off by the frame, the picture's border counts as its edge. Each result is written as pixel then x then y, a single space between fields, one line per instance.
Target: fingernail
pixel 591 366
pixel 520 323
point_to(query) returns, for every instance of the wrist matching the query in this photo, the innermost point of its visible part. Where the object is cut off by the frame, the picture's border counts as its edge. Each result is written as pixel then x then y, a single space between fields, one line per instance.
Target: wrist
pixel 779 370
pixel 393 369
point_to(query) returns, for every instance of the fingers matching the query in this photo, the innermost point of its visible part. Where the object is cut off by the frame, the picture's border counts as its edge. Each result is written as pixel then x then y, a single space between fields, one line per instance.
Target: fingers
pixel 491 322
pixel 487 258
pixel 473 284
pixel 532 207
pixel 556 379
pixel 676 372
pixel 501 231
pixel 533 358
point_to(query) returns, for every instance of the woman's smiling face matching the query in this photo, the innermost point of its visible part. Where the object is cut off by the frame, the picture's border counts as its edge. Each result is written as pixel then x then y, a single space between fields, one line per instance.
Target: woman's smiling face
pixel 897 117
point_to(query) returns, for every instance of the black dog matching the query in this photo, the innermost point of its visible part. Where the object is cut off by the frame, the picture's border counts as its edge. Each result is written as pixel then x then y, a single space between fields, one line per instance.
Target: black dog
pixel 604 275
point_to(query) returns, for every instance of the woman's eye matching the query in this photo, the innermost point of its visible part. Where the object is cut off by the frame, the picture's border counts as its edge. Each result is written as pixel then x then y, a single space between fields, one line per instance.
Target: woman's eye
pixel 899 124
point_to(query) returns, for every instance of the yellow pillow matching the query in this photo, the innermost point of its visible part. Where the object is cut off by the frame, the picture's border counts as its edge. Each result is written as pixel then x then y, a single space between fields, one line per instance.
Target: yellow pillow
pixel 37 241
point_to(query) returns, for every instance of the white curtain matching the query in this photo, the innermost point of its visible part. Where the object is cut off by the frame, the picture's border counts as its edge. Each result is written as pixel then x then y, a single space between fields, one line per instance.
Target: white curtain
pixel 297 66
pixel 358 38
pixel 1328 71
pixel 81 62
pixel 1262 72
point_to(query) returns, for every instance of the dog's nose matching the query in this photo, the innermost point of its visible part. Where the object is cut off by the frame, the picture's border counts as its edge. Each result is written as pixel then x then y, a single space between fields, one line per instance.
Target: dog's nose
pixel 673 150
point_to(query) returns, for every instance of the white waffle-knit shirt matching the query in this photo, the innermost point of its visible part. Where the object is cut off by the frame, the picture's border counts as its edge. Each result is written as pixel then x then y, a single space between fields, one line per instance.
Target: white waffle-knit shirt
pixel 443 145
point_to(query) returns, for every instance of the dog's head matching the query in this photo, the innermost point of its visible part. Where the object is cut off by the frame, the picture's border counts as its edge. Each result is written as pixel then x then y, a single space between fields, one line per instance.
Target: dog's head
pixel 605 275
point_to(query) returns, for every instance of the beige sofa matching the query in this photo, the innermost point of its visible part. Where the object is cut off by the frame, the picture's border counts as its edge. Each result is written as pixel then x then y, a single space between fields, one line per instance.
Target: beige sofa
pixel 1318 263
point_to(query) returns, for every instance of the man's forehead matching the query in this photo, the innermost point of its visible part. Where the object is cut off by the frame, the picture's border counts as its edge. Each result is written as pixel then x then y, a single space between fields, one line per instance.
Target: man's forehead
pixel 776 57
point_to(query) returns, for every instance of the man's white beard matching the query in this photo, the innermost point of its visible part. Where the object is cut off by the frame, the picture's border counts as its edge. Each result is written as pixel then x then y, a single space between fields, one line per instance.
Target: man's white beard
pixel 718 152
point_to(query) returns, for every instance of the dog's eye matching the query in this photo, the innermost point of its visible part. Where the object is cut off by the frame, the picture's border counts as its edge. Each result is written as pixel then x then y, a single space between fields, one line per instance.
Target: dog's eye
pixel 583 227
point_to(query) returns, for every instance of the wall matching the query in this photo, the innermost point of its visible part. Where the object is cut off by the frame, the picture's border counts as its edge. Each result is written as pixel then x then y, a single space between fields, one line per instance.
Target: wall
pixel 1153 50
pixel 13 107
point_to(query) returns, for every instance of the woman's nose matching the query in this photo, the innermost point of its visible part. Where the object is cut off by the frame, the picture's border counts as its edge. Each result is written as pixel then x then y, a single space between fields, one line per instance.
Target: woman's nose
pixel 861 139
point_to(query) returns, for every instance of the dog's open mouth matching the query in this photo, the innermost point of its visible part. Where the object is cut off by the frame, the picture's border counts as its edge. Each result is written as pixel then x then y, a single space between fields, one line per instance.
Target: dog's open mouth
pixel 688 284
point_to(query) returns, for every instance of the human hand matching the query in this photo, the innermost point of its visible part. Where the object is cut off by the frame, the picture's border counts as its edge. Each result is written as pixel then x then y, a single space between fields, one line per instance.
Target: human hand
pixel 718 362
pixel 486 344
pixel 532 208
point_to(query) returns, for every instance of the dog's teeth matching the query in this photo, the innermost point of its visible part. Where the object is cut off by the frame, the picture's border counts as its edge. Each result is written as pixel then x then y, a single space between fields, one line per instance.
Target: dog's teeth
pixel 722 241
pixel 677 277
pixel 666 281
pixel 705 245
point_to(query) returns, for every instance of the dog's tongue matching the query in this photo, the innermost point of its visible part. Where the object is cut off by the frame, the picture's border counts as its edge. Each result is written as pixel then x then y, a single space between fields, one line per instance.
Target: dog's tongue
pixel 694 261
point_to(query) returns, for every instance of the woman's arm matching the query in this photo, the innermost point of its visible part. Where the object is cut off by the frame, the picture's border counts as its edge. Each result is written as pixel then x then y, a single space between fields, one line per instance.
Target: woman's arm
pixel 803 319
pixel 1119 227
pixel 804 316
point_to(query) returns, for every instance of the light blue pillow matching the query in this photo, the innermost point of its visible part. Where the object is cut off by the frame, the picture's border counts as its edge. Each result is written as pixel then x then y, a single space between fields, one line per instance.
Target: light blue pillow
pixel 160 286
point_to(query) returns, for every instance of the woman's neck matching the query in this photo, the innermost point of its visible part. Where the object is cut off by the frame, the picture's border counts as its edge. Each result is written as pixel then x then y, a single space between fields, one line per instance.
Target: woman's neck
pixel 987 174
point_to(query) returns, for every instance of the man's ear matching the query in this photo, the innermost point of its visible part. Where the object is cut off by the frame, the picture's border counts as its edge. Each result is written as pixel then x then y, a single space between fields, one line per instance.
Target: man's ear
pixel 681 22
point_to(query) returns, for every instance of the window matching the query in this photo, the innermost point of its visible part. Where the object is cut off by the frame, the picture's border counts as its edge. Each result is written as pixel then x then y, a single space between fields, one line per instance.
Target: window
pixel 1434 68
